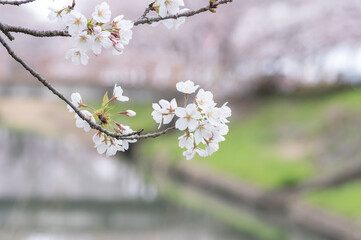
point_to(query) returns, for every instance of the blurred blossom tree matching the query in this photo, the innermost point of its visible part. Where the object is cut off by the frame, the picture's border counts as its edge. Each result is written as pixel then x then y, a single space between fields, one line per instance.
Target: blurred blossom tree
pixel 203 123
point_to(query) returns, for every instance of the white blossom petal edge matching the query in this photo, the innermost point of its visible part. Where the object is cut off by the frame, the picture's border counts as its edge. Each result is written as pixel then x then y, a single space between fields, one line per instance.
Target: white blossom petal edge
pixel 102 13
pixel 77 56
pixel 80 123
pixel 118 94
pixel 187 87
pixel 75 100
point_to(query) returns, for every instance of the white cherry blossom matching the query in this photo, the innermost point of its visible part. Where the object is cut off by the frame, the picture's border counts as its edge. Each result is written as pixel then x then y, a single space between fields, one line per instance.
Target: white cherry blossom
pixel 125 143
pixel 97 29
pixel 102 13
pixel 112 149
pixel 125 36
pixel 75 100
pixel 204 99
pixel 102 147
pixel 118 94
pixel 125 29
pixel 202 122
pixel 187 87
pixel 82 41
pixel 76 22
pixel 59 15
pixel 100 143
pixel 186 140
pixel 168 6
pixel 122 24
pixel 213 115
pixel 203 130
pixel 80 123
pixel 77 56
pixel 225 112
pixel 98 138
pixel 157 114
pixel 169 108
pixel 190 153
pixel 164 111
pixel 101 40
pixel 220 131
pixel 212 146
pixel 96 33
pixel 188 117
pixel 117 19
pixel 175 23
pixel 114 146
pixel 107 145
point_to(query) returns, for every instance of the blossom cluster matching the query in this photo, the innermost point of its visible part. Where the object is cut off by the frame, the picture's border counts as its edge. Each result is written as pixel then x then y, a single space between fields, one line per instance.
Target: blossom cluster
pixel 202 123
pixel 165 8
pixel 103 116
pixel 95 33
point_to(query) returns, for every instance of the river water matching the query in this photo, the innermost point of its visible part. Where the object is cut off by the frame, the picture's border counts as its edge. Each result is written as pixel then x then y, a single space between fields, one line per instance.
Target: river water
pixel 52 190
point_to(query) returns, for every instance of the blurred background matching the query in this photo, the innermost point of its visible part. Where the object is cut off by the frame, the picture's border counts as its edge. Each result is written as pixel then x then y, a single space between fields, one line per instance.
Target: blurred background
pixel 289 169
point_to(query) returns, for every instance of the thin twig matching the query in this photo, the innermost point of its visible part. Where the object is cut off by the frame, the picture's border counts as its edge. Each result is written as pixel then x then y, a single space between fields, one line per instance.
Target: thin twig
pixel 7 34
pixel 134 135
pixel 175 16
pixel 150 135
pixel 73 5
pixel 146 11
pixel 16 3
pixel 50 33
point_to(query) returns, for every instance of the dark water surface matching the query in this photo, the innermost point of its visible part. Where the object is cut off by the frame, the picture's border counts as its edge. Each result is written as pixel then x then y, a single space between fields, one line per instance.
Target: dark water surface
pixel 53 189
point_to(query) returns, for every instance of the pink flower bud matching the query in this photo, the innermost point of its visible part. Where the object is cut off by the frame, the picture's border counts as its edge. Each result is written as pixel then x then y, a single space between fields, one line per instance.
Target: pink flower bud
pixel 113 41
pixel 119 47
pixel 121 126
pixel 129 113
pixel 116 35
pixel 97 29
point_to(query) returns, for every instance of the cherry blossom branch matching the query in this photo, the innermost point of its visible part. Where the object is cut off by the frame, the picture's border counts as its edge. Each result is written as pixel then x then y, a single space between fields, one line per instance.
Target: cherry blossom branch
pixel 16 3
pixel 185 14
pixel 142 20
pixel 7 29
pixel 146 11
pixel 149 135
pixel 6 33
pixel 130 136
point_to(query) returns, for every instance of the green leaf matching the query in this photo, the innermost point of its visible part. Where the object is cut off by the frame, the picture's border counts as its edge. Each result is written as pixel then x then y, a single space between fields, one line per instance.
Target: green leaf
pixel 105 99
pixel 108 108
